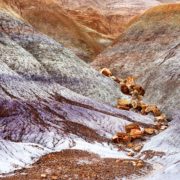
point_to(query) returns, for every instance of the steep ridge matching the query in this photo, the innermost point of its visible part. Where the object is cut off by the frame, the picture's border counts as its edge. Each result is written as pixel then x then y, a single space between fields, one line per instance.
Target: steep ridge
pixel 149 50
pixel 49 18
pixel 87 30
pixel 107 17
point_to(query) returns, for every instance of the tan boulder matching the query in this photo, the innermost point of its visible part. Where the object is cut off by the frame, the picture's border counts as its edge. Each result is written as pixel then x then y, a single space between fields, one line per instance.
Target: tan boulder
pixel 139 164
pixel 130 81
pixel 125 89
pixel 43 175
pixel 116 79
pixel 131 126
pixel 161 118
pixel 136 104
pixel 124 104
pixel 137 148
pixel 54 178
pixel 121 137
pixel 149 131
pixel 106 72
pixel 139 89
pixel 136 133
pixel 153 109
pixel 131 154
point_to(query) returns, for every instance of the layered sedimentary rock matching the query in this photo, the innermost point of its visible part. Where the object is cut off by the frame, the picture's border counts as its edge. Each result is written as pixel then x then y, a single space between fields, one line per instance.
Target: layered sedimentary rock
pixel 86 27
pixel 50 18
pixel 50 60
pixel 107 17
pixel 149 50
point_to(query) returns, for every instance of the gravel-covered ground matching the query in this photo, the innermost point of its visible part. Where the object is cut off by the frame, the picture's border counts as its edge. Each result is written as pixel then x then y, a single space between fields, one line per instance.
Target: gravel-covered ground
pixel 76 164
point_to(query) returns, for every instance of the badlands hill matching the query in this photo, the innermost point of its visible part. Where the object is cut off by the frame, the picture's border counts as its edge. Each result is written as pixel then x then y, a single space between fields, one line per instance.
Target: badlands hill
pixel 149 51
pixel 86 27
pixel 56 111
pixel 49 18
pixel 107 16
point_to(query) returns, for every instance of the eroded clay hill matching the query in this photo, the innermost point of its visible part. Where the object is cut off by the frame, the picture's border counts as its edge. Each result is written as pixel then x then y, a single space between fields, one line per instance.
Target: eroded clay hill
pixel 49 18
pixel 149 50
pixel 107 17
pixel 50 100
pixel 86 27
pixel 42 109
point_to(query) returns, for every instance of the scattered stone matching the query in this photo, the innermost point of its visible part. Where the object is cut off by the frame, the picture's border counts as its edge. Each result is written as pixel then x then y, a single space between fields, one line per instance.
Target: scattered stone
pixel 153 109
pixel 106 72
pixel 130 81
pixel 143 108
pixel 133 131
pixel 137 148
pixel 131 126
pixel 136 133
pixel 130 145
pixel 136 104
pixel 139 89
pixel 115 139
pixel 54 178
pixel 133 163
pixel 161 118
pixel 43 175
pixel 124 104
pixel 116 79
pixel 149 131
pixel 130 154
pixel 163 127
pixel 139 165
pixel 125 89
pixel 24 174
pixel 121 138
pixel 124 137
pixel 123 107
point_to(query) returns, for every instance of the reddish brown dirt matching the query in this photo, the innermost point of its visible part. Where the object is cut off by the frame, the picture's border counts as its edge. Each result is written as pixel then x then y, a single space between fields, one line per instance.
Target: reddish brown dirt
pixel 76 164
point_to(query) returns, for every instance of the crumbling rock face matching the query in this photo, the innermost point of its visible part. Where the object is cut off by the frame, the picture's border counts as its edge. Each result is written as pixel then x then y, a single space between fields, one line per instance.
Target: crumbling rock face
pixel 149 50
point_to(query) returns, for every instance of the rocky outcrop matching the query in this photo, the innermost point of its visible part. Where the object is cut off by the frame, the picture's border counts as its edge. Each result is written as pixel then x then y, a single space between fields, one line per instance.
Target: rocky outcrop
pixel 149 50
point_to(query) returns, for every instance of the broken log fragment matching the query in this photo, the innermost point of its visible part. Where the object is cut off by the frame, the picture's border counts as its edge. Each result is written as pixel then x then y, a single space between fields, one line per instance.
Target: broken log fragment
pixel 131 126
pixel 153 109
pixel 106 72
pixel 124 89
pixel 124 104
